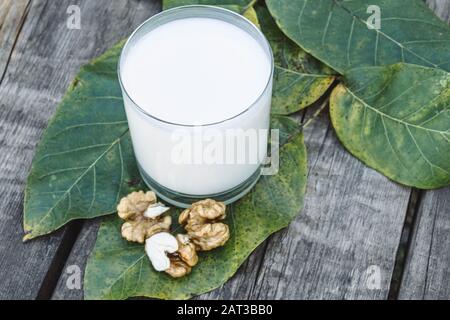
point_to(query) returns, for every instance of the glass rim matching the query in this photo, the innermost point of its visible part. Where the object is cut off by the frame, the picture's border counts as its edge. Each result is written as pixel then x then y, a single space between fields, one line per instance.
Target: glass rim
pixel 266 44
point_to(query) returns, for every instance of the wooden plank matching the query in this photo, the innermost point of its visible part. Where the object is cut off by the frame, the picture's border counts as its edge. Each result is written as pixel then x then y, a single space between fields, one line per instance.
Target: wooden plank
pixel 427 270
pixel 12 17
pixel 66 288
pixel 45 59
pixel 23 266
pixel 441 8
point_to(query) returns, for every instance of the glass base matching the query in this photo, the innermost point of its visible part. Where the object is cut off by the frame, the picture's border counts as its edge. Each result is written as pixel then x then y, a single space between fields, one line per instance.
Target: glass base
pixel 184 200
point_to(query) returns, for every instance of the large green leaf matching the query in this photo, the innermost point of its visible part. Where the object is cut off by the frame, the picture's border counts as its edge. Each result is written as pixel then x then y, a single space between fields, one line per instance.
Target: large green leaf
pixel 287 127
pixel 84 162
pixel 288 54
pixel 118 269
pixel 299 79
pixel 396 119
pixel 337 33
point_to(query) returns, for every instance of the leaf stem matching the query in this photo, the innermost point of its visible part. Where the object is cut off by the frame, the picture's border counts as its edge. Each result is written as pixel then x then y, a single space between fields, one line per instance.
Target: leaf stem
pixel 316 113
pixel 251 4
pixel 310 120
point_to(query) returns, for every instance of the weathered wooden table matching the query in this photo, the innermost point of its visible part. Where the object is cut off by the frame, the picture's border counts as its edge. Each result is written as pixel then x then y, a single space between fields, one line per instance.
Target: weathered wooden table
pixel 359 236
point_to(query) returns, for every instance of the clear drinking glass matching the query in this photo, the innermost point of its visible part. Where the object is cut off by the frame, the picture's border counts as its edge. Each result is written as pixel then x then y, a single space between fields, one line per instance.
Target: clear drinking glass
pixel 182 183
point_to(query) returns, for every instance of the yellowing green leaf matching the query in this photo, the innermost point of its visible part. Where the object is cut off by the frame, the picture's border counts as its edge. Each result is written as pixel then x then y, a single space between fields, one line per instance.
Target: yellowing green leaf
pixel 396 119
pixel 293 91
pixel 118 269
pixel 299 79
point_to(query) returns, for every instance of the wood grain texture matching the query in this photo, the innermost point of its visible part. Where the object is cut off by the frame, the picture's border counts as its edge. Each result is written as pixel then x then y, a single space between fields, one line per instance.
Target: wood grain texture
pixel 441 8
pixel 78 258
pixel 12 16
pixel 427 269
pixel 427 272
pixel 45 59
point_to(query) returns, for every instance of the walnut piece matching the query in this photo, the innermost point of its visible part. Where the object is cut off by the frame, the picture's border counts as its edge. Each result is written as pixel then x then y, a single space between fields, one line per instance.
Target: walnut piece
pixel 143 216
pixel 175 256
pixel 182 261
pixel 157 247
pixel 135 204
pixel 142 228
pixel 202 224
pixel 187 250
pixel 178 268
pixel 145 222
pixel 210 236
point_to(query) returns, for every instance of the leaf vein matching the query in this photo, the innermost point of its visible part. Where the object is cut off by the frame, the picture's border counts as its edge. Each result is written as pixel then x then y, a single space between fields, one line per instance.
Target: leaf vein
pixel 79 179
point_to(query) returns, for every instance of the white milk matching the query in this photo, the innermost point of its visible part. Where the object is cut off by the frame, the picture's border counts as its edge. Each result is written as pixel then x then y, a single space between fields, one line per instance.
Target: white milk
pixel 196 72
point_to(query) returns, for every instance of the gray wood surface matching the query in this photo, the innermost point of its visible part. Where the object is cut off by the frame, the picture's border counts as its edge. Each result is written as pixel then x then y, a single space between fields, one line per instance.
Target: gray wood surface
pixel 23 266
pixel 427 273
pixel 345 239
pixel 45 58
pixel 427 269
pixel 77 259
pixel 12 17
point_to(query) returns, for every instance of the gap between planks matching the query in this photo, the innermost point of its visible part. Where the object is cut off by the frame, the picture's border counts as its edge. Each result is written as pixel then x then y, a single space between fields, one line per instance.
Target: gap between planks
pixel 72 231
pixel 404 247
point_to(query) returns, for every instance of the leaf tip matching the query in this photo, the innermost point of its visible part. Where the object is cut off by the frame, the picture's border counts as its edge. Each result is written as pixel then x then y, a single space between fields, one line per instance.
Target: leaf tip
pixel 28 236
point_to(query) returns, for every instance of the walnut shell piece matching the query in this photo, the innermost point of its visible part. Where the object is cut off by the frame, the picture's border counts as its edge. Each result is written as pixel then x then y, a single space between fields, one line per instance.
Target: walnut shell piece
pixel 210 236
pixel 139 225
pixel 187 250
pixel 202 211
pixel 201 222
pixel 143 228
pixel 135 204
pixel 182 261
pixel 178 268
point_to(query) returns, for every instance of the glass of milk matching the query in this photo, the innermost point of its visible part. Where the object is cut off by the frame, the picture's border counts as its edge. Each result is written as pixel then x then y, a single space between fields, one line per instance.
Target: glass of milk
pixel 197 87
